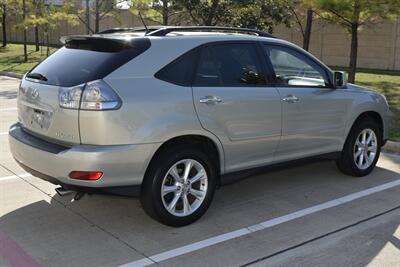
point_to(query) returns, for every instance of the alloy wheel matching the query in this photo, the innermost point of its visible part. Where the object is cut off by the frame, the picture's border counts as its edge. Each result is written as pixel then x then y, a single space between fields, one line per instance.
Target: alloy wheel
pixel 365 149
pixel 184 187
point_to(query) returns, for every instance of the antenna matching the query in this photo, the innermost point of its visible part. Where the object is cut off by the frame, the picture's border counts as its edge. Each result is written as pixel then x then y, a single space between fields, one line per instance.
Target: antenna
pixel 144 24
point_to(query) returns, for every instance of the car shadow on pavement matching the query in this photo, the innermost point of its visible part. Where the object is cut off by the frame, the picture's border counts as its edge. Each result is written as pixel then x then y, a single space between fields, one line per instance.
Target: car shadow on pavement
pixel 59 232
pixel 8 94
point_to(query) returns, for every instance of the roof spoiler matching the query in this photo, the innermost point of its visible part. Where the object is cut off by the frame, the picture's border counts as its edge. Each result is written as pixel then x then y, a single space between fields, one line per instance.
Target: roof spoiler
pixel 68 38
pixel 97 43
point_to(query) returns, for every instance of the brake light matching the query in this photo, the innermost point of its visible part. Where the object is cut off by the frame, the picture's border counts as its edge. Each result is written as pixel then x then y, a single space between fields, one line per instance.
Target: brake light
pixel 86 175
pixel 95 95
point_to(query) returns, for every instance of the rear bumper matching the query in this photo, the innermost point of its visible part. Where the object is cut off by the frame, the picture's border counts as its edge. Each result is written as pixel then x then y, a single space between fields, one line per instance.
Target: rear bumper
pixel 122 165
pixel 131 190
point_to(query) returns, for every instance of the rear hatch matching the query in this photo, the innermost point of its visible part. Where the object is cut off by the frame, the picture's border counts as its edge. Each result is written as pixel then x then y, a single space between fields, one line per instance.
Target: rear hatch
pixel 83 59
pixel 40 114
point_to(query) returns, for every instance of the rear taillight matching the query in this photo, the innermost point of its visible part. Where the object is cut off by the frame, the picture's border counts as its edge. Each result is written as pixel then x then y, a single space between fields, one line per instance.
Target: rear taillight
pixel 96 95
pixel 85 175
pixel 99 96
pixel 70 97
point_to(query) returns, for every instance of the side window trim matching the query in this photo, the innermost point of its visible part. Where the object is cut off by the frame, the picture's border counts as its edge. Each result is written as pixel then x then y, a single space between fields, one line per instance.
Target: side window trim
pixel 267 68
pixel 325 72
pixel 215 43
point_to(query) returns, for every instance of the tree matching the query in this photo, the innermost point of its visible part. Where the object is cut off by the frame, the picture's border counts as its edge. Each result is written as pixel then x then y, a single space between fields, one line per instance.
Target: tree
pixel 101 9
pixel 3 22
pixel 87 16
pixel 209 12
pixel 156 10
pixel 8 8
pixel 98 9
pixel 50 17
pixel 304 11
pixel 24 17
pixel 352 15
pixel 38 6
pixel 260 14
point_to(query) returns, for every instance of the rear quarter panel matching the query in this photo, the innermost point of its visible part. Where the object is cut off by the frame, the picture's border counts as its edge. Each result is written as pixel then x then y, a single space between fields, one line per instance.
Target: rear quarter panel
pixel 151 112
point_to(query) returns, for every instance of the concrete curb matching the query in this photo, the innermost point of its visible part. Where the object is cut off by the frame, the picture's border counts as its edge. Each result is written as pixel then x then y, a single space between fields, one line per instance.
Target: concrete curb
pixel 392 147
pixel 11 74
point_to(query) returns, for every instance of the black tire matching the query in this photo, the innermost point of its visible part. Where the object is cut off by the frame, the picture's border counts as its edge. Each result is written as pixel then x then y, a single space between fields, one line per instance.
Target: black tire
pixel 346 162
pixel 151 188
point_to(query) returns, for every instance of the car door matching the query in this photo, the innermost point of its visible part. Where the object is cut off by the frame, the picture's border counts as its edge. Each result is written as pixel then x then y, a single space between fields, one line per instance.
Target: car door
pixel 313 112
pixel 234 102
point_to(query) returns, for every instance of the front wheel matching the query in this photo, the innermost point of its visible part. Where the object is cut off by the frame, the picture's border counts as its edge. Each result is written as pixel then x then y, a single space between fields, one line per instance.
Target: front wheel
pixel 179 186
pixel 362 148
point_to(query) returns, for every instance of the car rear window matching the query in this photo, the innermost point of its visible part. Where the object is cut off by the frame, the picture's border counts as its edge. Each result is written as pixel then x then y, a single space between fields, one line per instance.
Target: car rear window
pixel 85 60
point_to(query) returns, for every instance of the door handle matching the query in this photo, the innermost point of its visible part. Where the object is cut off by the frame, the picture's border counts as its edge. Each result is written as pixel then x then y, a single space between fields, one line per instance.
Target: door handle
pixel 290 99
pixel 210 100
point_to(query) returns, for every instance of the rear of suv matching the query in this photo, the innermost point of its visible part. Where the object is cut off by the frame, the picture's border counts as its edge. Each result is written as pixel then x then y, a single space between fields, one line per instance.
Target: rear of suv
pixel 167 112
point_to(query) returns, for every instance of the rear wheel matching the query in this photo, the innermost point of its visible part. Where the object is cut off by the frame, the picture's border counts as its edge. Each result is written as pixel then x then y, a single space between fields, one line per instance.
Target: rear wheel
pixel 362 148
pixel 179 186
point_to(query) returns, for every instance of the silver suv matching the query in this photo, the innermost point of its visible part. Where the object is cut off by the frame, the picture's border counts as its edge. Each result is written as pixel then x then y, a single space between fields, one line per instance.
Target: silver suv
pixel 172 112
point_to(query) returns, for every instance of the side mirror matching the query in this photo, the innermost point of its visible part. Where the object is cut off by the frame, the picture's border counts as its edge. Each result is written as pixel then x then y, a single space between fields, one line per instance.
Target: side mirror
pixel 340 79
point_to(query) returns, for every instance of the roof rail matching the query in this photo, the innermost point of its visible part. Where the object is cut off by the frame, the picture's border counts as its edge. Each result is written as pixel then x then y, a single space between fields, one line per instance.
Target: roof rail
pixel 162 31
pixel 134 29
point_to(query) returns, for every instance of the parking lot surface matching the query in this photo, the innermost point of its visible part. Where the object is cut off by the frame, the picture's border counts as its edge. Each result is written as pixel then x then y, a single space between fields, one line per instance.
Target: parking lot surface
pixel 303 215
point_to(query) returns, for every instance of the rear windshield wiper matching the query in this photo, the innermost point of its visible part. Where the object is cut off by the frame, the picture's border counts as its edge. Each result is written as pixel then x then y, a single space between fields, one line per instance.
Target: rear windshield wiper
pixel 37 76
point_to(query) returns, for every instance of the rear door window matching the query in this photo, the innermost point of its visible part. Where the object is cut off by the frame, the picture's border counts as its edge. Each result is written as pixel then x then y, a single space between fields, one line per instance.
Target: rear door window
pixel 81 61
pixel 230 64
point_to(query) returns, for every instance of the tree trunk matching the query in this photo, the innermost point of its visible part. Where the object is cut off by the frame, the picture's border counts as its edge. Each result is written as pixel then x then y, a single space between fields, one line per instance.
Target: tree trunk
pixel 3 24
pixel 24 16
pixel 87 13
pixel 353 53
pixel 165 12
pixel 97 23
pixel 97 17
pixel 47 42
pixel 37 38
pixel 307 31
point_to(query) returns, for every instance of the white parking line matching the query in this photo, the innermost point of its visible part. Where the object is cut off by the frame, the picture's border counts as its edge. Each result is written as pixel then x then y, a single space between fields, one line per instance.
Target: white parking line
pixel 3 133
pixel 157 258
pixel 7 109
pixel 23 175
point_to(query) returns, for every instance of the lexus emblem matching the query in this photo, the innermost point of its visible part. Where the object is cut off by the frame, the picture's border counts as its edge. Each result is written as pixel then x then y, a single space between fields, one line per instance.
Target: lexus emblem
pixel 34 93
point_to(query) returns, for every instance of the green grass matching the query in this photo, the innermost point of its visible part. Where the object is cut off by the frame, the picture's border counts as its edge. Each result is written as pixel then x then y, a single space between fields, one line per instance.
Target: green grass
pixel 12 57
pixel 386 82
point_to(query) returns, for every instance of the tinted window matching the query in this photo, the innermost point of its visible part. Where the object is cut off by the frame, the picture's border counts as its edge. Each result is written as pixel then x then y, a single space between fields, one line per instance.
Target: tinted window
pixel 180 71
pixel 294 69
pixel 229 65
pixel 82 61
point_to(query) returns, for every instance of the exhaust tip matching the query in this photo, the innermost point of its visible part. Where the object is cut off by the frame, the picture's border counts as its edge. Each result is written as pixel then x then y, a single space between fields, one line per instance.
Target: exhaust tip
pixel 61 191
